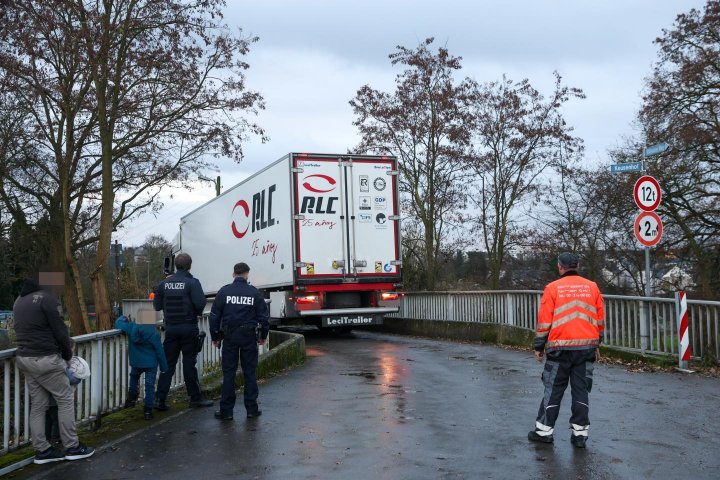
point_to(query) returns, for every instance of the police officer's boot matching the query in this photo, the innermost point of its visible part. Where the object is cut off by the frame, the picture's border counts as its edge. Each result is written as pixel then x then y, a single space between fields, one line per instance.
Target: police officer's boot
pixel 148 413
pixel 131 400
pixel 161 405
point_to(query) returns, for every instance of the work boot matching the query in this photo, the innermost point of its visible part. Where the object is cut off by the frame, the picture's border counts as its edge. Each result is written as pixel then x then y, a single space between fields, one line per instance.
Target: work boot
pixel 200 403
pixel 161 405
pixel 148 413
pixel 578 441
pixel 131 400
pixel 223 416
pixel 533 436
pixel 579 435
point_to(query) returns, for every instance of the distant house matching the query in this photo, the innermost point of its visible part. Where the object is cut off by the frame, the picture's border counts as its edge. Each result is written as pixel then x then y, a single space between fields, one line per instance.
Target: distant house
pixel 675 279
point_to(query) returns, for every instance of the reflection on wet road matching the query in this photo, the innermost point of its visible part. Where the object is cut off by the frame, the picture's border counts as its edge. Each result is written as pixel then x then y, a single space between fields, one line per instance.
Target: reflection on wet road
pixel 371 406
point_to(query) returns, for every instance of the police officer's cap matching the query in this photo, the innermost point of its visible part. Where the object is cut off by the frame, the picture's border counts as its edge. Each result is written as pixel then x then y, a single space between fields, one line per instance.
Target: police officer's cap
pixel 241 268
pixel 568 260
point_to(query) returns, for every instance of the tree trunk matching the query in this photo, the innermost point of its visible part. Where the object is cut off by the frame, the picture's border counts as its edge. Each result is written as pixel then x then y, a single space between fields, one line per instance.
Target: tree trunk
pixel 99 276
pixel 430 260
pixel 72 298
pixel 495 270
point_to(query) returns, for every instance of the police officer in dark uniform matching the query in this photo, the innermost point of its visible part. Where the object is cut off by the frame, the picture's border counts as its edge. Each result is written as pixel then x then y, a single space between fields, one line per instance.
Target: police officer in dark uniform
pixel 181 299
pixel 240 312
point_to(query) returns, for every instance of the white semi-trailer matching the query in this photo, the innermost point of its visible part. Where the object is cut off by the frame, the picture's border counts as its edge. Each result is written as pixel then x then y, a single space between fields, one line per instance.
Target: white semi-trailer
pixel 320 232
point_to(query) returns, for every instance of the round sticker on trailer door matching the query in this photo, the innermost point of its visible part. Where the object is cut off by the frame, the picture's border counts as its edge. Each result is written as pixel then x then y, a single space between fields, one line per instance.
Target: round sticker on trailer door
pixel 379 184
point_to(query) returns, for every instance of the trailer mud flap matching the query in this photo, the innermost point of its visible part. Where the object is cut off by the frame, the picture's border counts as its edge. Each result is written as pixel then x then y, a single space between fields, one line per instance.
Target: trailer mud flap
pixel 351 320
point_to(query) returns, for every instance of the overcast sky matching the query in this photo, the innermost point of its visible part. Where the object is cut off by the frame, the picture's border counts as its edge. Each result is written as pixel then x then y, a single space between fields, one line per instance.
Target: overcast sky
pixel 313 55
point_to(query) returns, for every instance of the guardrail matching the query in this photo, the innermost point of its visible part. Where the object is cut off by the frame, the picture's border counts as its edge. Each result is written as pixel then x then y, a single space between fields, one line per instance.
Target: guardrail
pixel 106 389
pixel 642 324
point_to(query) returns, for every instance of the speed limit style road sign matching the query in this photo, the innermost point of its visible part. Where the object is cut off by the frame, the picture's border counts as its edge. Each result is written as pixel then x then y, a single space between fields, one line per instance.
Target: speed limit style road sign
pixel 647 193
pixel 648 228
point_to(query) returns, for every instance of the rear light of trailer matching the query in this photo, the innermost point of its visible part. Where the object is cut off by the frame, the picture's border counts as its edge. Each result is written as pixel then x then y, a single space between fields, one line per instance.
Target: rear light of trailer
pixel 389 296
pixel 307 300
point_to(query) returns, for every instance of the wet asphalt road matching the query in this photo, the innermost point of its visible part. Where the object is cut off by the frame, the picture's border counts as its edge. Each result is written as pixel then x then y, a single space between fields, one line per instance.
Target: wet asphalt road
pixel 371 406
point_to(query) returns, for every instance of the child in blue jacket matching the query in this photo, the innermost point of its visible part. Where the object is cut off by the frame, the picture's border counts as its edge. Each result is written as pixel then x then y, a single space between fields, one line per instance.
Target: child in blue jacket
pixel 146 354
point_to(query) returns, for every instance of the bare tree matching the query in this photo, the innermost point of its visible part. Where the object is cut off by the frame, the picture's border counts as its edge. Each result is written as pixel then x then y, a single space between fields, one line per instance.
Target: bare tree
pixel 581 211
pixel 518 136
pixel 426 122
pixel 681 106
pixel 129 96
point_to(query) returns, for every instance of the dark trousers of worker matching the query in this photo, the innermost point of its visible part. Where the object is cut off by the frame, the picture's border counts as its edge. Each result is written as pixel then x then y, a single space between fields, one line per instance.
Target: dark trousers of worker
pixel 240 344
pixel 150 375
pixel 180 338
pixel 561 367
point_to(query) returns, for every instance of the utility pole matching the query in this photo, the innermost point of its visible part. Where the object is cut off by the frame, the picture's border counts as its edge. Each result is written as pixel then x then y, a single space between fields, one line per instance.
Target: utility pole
pixel 216 182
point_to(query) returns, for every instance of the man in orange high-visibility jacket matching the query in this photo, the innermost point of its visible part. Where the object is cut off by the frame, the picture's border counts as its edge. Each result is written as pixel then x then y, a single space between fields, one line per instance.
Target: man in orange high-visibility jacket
pixel 570 325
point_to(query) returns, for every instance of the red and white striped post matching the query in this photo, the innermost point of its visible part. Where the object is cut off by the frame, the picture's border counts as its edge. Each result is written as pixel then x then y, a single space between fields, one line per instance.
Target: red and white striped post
pixel 683 333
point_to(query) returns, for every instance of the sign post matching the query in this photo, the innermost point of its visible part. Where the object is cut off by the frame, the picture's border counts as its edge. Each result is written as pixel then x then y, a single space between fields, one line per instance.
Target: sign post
pixel 648 231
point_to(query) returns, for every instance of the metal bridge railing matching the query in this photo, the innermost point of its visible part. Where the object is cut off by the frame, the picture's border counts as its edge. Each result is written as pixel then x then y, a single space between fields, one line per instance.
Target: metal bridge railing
pixel 106 389
pixel 642 324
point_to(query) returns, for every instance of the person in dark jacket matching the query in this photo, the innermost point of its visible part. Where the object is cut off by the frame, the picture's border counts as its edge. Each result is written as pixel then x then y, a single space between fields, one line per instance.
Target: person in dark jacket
pixel 181 299
pixel 146 354
pixel 239 310
pixel 43 349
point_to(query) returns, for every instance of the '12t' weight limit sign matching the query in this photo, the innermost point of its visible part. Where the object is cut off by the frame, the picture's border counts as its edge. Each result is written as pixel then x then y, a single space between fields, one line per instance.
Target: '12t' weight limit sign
pixel 647 193
pixel 648 228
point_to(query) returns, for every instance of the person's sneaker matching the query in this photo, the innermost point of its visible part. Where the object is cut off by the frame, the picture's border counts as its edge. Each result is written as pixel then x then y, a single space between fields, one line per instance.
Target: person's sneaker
pixel 254 414
pixel 200 403
pixel 50 455
pixel 534 437
pixel 221 416
pixel 148 413
pixel 79 452
pixel 578 441
pixel 162 406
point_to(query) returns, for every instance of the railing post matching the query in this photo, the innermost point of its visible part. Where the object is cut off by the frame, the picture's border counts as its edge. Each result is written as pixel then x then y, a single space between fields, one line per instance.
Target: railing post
pixel 450 307
pixel 510 300
pixel 96 386
pixel 645 325
pixel 6 404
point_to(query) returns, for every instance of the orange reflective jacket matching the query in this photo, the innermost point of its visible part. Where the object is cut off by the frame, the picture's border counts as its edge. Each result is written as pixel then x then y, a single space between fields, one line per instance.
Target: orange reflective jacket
pixel 572 314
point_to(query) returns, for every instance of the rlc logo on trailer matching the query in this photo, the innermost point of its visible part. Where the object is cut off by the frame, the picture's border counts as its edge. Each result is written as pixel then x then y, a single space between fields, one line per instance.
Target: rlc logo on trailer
pixel 261 217
pixel 319 183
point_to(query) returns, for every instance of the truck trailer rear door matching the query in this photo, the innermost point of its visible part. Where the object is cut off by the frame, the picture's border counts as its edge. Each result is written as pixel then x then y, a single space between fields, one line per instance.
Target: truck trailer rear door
pixel 346 219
